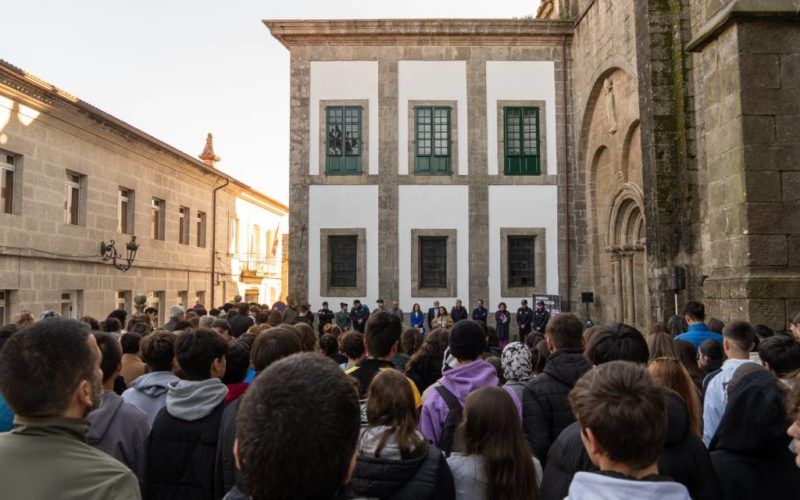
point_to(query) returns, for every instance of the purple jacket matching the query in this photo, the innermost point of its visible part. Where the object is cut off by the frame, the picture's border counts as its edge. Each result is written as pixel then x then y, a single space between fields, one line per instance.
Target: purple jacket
pixel 460 381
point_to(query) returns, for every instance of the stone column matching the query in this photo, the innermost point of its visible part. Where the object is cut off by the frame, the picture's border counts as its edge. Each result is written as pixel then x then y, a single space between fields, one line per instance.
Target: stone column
pixel 630 300
pixel 616 267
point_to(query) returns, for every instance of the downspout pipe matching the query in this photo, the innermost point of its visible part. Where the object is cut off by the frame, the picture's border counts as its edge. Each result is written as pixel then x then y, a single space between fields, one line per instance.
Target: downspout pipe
pixel 214 241
pixel 566 167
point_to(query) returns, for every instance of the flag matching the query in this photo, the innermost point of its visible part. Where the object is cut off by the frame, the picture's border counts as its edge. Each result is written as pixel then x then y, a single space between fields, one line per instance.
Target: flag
pixel 276 239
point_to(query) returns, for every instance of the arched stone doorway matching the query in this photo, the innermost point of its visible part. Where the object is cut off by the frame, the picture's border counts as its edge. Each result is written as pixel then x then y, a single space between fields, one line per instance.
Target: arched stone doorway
pixel 626 251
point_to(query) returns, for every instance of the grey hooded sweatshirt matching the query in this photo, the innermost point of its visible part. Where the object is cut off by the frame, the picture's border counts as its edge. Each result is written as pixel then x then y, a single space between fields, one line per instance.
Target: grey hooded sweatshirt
pixel 601 486
pixel 120 429
pixel 149 393
pixel 195 399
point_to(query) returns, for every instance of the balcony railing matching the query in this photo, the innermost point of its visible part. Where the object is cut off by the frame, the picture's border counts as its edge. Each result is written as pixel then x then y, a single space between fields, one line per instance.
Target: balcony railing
pixel 258 267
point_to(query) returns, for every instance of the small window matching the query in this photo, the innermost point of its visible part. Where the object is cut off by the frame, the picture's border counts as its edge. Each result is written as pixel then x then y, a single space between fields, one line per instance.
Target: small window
pixel 70 303
pixel 72 198
pixel 182 299
pixel 122 300
pixel 4 307
pixel 522 141
pixel 200 298
pixel 432 140
pixel 8 170
pixel 233 235
pixel 183 227
pixel 125 211
pixel 157 300
pixel 343 140
pixel 254 247
pixel 201 229
pixel 157 219
pixel 343 252
pixel 521 255
pixel 433 262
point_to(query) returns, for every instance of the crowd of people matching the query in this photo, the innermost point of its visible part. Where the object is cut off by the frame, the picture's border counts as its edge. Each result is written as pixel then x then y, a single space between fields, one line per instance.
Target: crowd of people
pixel 248 401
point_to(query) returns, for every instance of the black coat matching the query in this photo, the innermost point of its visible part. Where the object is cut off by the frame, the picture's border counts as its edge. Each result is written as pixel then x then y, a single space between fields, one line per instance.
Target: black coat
pixel 425 371
pixel 750 447
pixel 225 466
pixel 181 456
pixel 426 477
pixel 457 314
pixel 545 408
pixel 684 458
pixel 540 319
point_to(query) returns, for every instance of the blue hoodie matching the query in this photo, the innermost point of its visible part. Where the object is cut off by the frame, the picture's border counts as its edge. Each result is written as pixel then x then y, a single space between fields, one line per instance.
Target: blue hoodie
pixel 461 381
pixel 699 333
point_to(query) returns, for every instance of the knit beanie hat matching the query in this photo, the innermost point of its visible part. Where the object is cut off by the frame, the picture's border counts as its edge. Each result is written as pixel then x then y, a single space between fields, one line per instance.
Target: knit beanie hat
pixel 467 340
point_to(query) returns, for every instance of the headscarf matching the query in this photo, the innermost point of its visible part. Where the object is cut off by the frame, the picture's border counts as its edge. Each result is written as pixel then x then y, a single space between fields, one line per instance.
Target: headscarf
pixel 516 362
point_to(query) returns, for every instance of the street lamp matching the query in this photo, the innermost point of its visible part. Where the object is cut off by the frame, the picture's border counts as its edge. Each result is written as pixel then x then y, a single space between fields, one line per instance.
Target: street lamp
pixel 109 252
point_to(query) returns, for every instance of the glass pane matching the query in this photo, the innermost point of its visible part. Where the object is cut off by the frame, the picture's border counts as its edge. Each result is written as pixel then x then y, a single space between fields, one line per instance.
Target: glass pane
pixel 512 131
pixel 521 261
pixel 529 132
pixel 7 190
pixel 441 123
pixel 424 131
pixel 154 224
pixel 343 251
pixel 352 135
pixel 73 209
pixel 433 262
pixel 335 126
pixel 123 216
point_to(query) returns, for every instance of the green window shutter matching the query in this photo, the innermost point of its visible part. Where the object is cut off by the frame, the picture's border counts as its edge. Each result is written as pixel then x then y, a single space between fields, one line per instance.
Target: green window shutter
pixel 432 140
pixel 521 141
pixel 343 140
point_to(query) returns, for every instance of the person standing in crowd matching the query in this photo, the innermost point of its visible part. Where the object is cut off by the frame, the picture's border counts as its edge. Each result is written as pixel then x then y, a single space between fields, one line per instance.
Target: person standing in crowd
pixel 151 313
pixel 329 346
pixel 780 355
pixel 132 365
pixel 408 339
pixel 417 318
pixel 6 413
pixel 116 427
pixel 496 461
pixel 425 366
pixel 290 313
pixel 50 375
pixel 269 347
pixel 342 317
pixel 517 368
pixel 382 341
pixel 480 313
pixel 353 348
pixel 709 359
pixel 738 340
pixel 432 313
pixel 676 325
pixel 222 327
pixel 793 406
pixel 324 317
pixel 296 437
pixel 237 363
pixel 394 459
pixel 467 344
pixel 671 374
pixel 623 420
pixel 149 392
pixel 750 448
pixel 458 312
pixel 524 320
pixel 379 306
pixel 358 316
pixel 397 311
pixel 546 410
pixel 443 320
pixel 189 423
pixel 684 458
pixel 304 316
pixel 694 313
pixel 540 317
pixel 242 321
pixel 502 319
pixel 176 314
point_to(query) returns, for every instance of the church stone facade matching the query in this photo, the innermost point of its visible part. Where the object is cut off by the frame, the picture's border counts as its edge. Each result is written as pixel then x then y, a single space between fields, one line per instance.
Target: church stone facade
pixel 667 138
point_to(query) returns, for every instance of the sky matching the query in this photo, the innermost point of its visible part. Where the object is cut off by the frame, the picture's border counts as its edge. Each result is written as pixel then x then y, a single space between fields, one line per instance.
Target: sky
pixel 178 69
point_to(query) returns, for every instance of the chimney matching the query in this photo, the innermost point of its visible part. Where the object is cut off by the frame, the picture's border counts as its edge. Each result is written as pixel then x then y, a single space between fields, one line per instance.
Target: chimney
pixel 208 156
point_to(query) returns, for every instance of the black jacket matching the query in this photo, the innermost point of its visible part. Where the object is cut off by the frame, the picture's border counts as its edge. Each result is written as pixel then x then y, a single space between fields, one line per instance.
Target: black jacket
pixel 540 319
pixel 324 317
pixel 365 370
pixel 684 458
pixel 426 477
pixel 750 450
pixel 181 456
pixel 458 313
pixel 225 466
pixel 425 371
pixel 545 408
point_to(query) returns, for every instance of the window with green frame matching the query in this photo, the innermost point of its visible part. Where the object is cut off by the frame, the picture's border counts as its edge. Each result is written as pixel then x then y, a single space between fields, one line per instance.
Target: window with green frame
pixel 432 140
pixel 343 140
pixel 521 132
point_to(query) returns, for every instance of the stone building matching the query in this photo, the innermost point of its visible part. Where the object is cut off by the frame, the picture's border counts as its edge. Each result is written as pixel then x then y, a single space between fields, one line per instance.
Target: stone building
pixel 668 144
pixel 74 176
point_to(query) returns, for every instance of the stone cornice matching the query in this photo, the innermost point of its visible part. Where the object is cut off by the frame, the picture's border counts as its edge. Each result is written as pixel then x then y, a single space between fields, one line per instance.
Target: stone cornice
pixel 743 9
pixel 299 32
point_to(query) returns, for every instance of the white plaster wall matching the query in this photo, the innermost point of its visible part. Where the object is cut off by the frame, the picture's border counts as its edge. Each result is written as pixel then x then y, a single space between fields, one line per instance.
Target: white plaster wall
pixel 433 207
pixel 431 81
pixel 521 206
pixel 517 81
pixel 343 80
pixel 331 207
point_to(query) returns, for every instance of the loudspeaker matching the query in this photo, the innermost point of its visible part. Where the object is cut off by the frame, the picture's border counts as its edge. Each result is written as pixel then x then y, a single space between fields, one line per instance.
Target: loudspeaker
pixel 587 297
pixel 677 279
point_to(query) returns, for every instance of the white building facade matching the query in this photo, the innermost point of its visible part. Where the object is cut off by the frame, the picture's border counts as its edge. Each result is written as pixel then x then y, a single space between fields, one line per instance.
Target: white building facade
pixel 427 160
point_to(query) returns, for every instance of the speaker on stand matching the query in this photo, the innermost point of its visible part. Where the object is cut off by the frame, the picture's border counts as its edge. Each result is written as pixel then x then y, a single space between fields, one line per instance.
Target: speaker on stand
pixel 677 282
pixel 587 298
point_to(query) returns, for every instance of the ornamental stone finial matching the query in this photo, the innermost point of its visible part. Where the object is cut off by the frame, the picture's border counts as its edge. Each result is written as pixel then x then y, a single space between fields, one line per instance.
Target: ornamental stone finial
pixel 208 156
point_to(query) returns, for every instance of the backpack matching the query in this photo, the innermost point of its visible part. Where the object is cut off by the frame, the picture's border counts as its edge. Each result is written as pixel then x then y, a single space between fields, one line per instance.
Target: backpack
pixel 454 416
